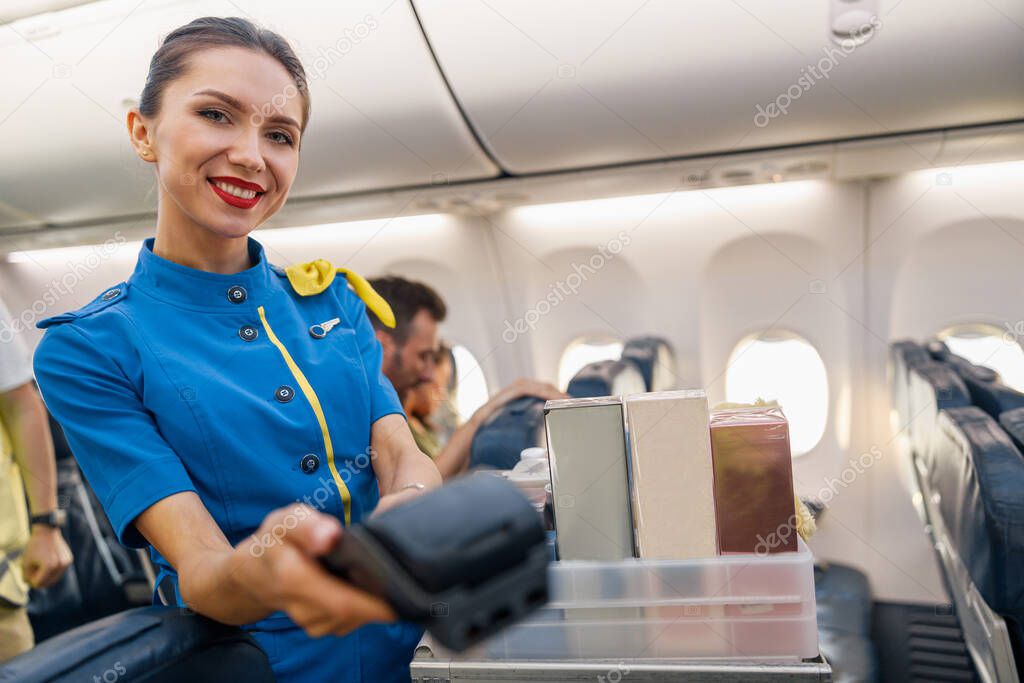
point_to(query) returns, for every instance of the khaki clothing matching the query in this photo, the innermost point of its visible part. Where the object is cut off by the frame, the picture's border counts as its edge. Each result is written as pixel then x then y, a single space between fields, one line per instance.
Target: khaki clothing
pixel 15 371
pixel 427 440
pixel 15 633
pixel 14 528
pixel 15 629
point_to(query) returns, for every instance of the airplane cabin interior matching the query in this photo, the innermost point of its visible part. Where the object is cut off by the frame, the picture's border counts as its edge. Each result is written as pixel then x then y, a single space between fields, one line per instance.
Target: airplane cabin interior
pixel 767 253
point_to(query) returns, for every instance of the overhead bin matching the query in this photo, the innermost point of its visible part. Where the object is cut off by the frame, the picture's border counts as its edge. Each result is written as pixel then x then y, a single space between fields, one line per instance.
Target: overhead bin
pixel 381 114
pixel 553 86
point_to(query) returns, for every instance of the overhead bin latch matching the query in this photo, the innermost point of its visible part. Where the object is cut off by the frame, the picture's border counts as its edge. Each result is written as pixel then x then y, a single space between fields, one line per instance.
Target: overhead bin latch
pixel 853 22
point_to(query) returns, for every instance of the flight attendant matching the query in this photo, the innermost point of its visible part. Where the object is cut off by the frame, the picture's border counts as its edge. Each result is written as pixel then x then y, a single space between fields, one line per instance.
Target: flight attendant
pixel 229 413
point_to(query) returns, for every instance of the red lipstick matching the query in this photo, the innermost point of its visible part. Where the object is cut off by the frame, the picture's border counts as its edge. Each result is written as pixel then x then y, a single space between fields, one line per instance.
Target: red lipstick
pixel 237 202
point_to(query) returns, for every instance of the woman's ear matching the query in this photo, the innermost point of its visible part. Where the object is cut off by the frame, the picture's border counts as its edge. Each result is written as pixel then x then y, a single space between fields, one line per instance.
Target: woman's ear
pixel 139 134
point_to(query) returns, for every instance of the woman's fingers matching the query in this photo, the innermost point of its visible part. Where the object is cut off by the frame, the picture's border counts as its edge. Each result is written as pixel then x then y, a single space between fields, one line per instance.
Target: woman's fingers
pixel 315 599
pixel 312 532
pixel 324 604
pixel 529 387
pixel 549 391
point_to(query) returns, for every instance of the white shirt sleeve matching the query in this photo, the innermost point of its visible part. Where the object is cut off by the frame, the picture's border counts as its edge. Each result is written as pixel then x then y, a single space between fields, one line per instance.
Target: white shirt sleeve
pixel 15 368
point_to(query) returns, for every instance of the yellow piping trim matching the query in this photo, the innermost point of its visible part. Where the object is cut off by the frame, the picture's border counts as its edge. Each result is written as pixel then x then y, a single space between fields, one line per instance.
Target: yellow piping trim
pixel 314 402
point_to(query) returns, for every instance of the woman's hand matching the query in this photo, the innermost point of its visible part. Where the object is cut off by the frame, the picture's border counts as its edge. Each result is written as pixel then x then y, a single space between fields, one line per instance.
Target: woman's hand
pixel 278 566
pixel 395 499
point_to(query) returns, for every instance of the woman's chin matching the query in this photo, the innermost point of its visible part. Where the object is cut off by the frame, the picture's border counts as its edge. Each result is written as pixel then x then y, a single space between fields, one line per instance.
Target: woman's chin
pixel 226 227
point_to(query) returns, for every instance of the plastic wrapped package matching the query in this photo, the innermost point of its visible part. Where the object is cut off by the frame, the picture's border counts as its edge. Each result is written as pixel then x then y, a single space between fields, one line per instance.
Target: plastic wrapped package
pixel 672 479
pixel 753 480
pixel 531 476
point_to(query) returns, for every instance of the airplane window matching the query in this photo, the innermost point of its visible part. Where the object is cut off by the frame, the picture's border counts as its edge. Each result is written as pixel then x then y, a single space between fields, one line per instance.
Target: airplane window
pixel 470 383
pixel 989 346
pixel 786 368
pixel 583 351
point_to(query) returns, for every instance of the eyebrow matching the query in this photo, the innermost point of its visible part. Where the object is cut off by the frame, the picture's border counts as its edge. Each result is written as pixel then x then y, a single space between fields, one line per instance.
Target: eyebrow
pixel 237 104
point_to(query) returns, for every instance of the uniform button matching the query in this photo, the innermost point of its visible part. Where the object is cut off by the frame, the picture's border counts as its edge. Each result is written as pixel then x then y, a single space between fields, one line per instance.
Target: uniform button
pixel 309 463
pixel 284 393
pixel 112 294
pixel 237 294
pixel 248 333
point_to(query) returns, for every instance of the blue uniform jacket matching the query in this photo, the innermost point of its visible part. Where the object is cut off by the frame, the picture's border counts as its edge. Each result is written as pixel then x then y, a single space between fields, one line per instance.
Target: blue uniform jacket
pixel 185 380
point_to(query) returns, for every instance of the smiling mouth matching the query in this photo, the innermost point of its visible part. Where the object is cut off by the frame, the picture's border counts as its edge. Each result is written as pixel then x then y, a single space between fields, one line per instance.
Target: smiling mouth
pixel 235 195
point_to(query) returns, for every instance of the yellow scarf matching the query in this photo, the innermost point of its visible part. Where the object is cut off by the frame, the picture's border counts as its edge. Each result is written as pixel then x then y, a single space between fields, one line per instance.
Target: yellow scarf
pixel 316 276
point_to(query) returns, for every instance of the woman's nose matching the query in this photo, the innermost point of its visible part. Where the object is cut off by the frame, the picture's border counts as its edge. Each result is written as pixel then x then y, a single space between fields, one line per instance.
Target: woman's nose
pixel 245 152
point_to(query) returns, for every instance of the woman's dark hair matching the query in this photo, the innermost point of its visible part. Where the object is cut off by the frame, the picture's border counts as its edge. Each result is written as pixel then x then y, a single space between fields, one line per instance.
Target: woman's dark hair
pixel 446 353
pixel 171 59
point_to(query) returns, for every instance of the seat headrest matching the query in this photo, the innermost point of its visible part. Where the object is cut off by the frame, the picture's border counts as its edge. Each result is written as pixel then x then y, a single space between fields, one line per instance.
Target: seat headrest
pixel 937 349
pixel 995 398
pixel 606 378
pixel 909 353
pixel 655 359
pixel 979 476
pixel 517 425
pixel 968 370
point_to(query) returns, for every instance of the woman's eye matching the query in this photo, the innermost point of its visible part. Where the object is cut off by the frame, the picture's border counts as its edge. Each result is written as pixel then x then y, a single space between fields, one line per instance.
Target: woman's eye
pixel 282 138
pixel 213 115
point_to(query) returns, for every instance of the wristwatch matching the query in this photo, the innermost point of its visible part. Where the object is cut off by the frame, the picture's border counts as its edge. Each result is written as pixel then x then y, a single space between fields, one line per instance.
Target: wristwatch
pixel 54 518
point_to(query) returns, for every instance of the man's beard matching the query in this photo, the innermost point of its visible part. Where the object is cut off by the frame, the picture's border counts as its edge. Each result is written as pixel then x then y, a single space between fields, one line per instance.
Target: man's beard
pixel 398 371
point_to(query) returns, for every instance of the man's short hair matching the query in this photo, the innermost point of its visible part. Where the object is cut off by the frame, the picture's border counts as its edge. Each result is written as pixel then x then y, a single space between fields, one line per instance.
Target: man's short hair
pixel 407 298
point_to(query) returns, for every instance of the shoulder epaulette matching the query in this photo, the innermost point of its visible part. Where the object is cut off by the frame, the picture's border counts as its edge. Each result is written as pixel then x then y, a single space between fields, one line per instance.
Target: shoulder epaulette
pixel 108 298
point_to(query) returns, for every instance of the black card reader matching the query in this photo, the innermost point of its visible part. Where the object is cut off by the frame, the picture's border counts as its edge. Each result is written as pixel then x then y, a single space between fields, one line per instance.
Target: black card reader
pixel 464 560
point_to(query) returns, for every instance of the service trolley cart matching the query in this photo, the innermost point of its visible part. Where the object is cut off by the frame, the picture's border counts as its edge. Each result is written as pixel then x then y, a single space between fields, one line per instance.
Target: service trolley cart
pixel 746 617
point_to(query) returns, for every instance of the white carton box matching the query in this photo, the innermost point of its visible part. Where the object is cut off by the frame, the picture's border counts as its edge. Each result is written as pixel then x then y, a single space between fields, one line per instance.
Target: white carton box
pixel 673 488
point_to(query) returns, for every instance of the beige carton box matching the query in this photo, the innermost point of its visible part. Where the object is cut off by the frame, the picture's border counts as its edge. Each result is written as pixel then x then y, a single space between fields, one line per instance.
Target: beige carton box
pixel 673 486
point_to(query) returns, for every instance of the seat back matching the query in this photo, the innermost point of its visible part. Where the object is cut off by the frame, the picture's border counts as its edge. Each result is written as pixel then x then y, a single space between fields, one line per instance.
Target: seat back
pixel 1012 422
pixel 902 356
pixel 979 476
pixel 655 359
pixel 606 378
pixel 932 386
pixel 152 644
pixel 104 577
pixel 974 490
pixel 519 424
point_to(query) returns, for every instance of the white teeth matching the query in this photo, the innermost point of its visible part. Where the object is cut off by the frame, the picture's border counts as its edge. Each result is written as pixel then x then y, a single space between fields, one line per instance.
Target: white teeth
pixel 235 190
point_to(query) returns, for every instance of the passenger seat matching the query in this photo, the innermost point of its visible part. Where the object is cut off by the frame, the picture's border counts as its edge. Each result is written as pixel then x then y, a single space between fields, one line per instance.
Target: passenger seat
pixel 606 378
pixel 844 605
pixel 519 424
pixel 152 644
pixel 932 387
pixel 104 578
pixel 974 488
pixel 655 359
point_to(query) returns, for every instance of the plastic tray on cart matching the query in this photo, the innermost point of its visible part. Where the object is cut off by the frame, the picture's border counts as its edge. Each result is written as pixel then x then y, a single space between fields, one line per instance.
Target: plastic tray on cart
pixel 748 607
